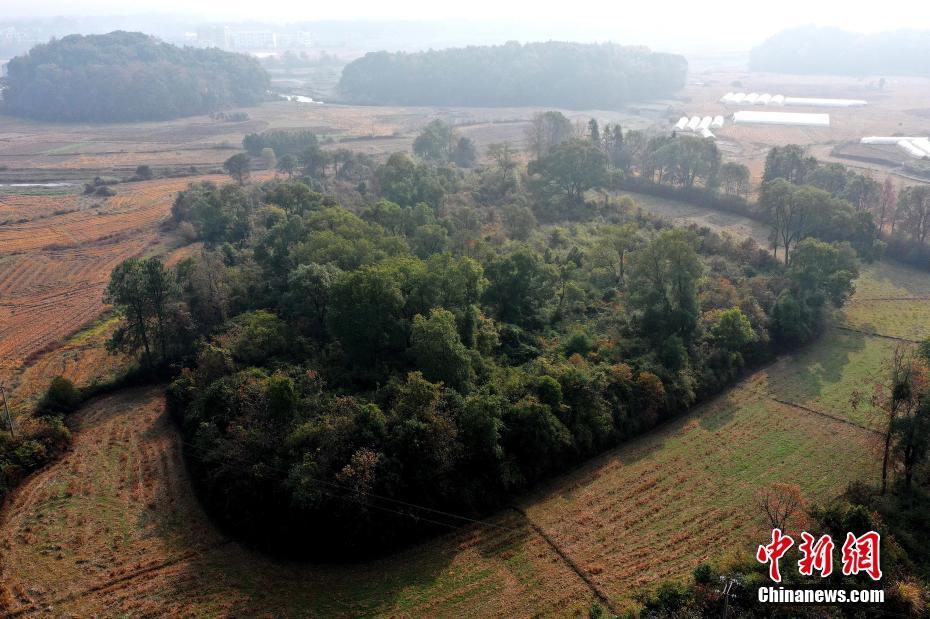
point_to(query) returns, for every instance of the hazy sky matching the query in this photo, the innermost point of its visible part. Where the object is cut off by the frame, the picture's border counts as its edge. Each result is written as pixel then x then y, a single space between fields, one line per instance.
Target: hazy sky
pixel 733 22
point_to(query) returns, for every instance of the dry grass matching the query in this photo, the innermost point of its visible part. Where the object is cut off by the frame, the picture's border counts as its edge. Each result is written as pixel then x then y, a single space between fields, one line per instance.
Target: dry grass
pixel 54 269
pixel 113 529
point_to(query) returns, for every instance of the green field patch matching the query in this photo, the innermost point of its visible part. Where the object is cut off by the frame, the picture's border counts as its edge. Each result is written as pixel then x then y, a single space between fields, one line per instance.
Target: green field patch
pixel 825 375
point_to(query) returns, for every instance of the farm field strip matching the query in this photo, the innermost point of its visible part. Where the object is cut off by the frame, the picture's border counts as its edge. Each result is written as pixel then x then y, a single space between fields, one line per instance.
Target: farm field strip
pixel 54 269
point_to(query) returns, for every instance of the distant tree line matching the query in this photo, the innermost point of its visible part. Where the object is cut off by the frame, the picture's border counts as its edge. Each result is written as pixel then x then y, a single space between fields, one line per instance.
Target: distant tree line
pixel 832 51
pixel 570 75
pixel 128 76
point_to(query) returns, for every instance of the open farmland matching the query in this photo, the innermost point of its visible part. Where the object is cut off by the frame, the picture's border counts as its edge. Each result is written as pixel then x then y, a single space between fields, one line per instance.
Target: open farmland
pixel 114 527
pixel 899 109
pixel 54 267
pixel 33 151
pixel 644 512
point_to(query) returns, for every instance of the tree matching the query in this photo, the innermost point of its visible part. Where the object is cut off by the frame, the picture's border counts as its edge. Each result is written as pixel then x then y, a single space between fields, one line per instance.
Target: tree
pixel 663 285
pixel 594 132
pixel 912 437
pixel 735 178
pixel 790 211
pixel 465 154
pixel 269 160
pixel 144 172
pixel 788 162
pixel 308 296
pixel 312 161
pixel 521 284
pixel 403 181
pixel 780 504
pixel 546 131
pixel 142 291
pixel 733 331
pixel 571 168
pixel 914 205
pixel 438 351
pixel 238 167
pixel 614 245
pixel 366 314
pixel 887 203
pixel 895 398
pixel 821 272
pixel 436 143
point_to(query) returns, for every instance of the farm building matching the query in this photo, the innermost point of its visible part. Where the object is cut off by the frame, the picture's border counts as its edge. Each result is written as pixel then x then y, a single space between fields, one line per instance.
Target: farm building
pixel 781 118
pixel 917 148
pixel 754 98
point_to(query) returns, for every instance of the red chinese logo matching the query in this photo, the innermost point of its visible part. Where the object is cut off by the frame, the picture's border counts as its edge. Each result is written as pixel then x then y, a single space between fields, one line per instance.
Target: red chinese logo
pixel 860 554
pixel 816 555
pixel 773 552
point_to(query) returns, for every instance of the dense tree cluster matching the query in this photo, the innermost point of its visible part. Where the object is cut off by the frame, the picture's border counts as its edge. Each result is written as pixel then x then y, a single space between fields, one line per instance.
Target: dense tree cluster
pixel 832 51
pixel 128 76
pixel 346 371
pixel 451 336
pixel 800 198
pixel 571 75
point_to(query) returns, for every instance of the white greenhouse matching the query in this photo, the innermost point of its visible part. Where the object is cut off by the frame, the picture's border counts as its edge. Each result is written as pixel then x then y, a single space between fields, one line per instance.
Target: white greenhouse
pixel 781 118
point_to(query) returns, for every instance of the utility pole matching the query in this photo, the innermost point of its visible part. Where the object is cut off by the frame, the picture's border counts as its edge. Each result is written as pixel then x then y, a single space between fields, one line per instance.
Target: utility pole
pixel 6 408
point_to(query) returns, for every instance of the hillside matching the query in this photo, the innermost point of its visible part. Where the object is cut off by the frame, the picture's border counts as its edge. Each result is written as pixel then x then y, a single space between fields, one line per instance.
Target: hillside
pixel 831 51
pixel 128 76
pixel 571 75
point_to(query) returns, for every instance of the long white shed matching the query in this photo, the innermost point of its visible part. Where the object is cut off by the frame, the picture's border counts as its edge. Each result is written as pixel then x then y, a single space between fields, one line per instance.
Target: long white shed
pixel 781 118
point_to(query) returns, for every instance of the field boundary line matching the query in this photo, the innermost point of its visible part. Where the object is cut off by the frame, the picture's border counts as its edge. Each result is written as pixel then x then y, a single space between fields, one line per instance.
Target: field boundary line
pixel 843 327
pixel 869 299
pixel 824 414
pixel 593 586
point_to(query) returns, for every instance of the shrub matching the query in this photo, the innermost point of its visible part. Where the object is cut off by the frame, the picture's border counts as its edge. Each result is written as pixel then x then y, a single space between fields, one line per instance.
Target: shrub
pixel 61 398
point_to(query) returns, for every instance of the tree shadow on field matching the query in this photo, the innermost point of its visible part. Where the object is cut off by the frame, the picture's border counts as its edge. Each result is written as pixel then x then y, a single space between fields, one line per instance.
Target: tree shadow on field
pixel 805 376
pixel 206 572
pixel 719 412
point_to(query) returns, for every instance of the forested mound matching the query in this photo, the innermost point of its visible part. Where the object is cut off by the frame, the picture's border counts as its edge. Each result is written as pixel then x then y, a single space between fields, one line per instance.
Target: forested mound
pixel 128 76
pixel 570 75
pixel 838 52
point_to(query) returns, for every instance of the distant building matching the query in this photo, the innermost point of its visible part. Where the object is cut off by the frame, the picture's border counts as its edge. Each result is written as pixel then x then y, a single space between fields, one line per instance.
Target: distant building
pixel 215 36
pixel 294 40
pixel 254 39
